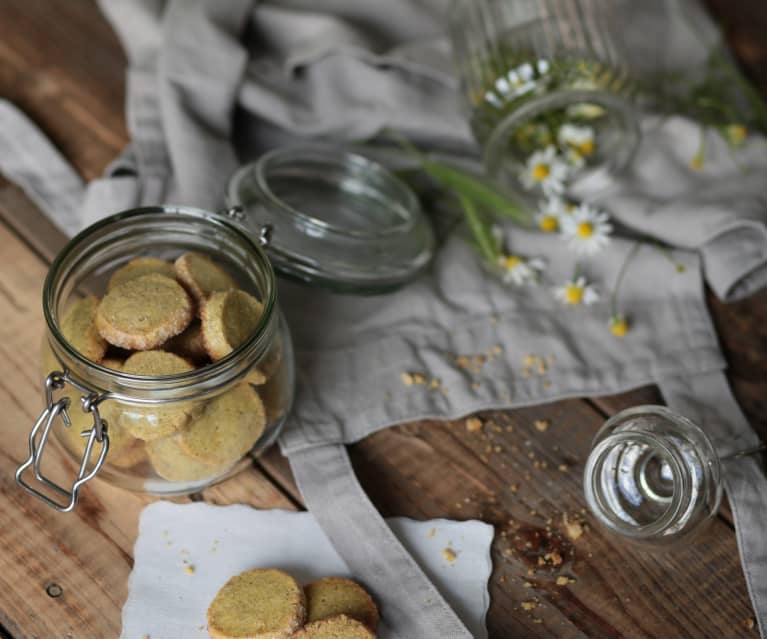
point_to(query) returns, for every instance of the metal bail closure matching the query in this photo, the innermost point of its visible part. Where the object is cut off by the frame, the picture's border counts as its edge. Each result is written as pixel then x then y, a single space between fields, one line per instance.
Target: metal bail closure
pixel 39 437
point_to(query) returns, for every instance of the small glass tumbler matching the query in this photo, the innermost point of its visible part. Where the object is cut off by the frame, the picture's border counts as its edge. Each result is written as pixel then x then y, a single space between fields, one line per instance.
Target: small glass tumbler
pixel 549 92
pixel 653 476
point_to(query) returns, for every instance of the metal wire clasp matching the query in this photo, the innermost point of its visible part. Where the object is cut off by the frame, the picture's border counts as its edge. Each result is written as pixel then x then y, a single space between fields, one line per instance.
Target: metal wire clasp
pixel 97 433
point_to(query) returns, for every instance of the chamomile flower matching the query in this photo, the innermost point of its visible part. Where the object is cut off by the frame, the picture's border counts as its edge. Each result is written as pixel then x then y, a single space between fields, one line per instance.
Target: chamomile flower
pixel 549 213
pixel 578 138
pixel 619 325
pixel 735 134
pixel 520 270
pixel 586 230
pixel 545 169
pixel 577 291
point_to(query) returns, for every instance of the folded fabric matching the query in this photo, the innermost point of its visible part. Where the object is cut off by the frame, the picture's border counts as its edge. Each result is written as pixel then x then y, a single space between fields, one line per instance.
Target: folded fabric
pixel 719 209
pixel 185 553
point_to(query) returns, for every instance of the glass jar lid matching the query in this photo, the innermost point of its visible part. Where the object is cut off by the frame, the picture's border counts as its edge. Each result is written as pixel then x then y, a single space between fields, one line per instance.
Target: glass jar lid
pixel 336 219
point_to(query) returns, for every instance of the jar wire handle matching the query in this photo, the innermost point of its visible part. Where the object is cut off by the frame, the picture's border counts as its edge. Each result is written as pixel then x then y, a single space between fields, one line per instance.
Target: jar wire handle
pixel 38 438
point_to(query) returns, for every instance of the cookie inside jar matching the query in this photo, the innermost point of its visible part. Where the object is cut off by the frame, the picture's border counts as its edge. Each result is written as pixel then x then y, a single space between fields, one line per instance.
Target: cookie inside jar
pixel 187 345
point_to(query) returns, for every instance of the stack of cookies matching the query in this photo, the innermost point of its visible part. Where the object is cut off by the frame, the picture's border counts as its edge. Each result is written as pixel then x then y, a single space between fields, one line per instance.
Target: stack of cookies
pixel 161 318
pixel 270 604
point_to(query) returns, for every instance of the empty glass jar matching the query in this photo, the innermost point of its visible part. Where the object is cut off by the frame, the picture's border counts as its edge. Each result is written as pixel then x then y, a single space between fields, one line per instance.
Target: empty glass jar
pixel 548 91
pixel 652 476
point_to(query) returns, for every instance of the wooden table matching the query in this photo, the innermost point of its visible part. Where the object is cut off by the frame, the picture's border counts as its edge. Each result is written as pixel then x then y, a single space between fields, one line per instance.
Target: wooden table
pixel 66 575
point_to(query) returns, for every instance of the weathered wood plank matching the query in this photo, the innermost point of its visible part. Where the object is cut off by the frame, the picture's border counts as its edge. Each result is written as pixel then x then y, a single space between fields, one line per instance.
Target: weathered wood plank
pixel 62 64
pixel 512 479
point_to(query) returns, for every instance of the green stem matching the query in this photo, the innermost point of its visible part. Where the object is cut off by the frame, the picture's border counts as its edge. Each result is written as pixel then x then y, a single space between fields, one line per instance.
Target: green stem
pixel 467 185
pixel 748 89
pixel 619 280
pixel 482 234
pixel 666 252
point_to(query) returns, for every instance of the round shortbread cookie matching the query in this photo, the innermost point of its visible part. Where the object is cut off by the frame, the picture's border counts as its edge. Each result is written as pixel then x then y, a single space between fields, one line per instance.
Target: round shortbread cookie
pixel 131 455
pixel 173 463
pixel 139 266
pixel 78 326
pixel 257 604
pixel 338 627
pixel 228 319
pixel 229 427
pixel 112 363
pixel 188 344
pixel 332 596
pixel 153 422
pixel 144 312
pixel 202 276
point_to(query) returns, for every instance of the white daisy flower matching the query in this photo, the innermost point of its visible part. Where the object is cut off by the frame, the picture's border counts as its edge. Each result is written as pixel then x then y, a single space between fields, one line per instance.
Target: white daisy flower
pixel 586 230
pixel 577 291
pixel 547 170
pixel 578 141
pixel 549 213
pixel 520 270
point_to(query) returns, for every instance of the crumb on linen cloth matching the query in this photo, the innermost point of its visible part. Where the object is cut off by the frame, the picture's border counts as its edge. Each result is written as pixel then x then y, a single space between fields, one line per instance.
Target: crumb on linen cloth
pixel 449 554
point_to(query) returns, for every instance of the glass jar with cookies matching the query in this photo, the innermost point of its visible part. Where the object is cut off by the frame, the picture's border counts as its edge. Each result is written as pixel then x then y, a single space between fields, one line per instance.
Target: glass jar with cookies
pixel 166 358
pixel 167 362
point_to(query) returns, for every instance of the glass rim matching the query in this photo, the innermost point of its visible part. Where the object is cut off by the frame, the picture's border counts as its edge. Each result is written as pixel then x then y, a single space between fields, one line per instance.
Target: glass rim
pixel 152 389
pixel 495 144
pixel 328 157
pixel 600 510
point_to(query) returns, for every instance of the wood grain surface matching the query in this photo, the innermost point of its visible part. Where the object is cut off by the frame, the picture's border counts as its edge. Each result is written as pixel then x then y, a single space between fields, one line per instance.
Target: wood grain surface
pixel 66 575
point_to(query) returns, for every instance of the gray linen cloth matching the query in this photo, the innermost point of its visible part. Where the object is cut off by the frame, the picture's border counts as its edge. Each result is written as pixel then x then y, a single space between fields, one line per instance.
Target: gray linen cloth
pixel 206 75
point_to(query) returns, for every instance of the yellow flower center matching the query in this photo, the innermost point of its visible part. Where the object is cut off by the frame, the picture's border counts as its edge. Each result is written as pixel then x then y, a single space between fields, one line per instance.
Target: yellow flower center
pixel 736 134
pixel 549 224
pixel 586 148
pixel 619 327
pixel 585 229
pixel 541 172
pixel 697 162
pixel 511 261
pixel 573 294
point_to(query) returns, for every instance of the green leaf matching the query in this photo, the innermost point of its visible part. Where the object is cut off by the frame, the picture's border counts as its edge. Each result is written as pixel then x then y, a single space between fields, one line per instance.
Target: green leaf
pixel 483 236
pixel 479 191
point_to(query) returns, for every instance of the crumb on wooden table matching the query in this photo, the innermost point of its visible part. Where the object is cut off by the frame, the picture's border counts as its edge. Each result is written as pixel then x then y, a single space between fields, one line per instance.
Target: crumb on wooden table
pixel 473 424
pixel 573 528
pixel 562 581
pixel 541 425
pixel 529 605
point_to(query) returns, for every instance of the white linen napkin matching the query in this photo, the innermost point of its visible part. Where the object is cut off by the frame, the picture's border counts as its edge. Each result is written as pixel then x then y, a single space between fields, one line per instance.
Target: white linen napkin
pixel 185 552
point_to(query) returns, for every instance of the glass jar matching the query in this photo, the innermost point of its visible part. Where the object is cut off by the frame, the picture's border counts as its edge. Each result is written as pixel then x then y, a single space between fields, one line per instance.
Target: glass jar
pixel 549 94
pixel 166 434
pixel 652 476
pixel 319 215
